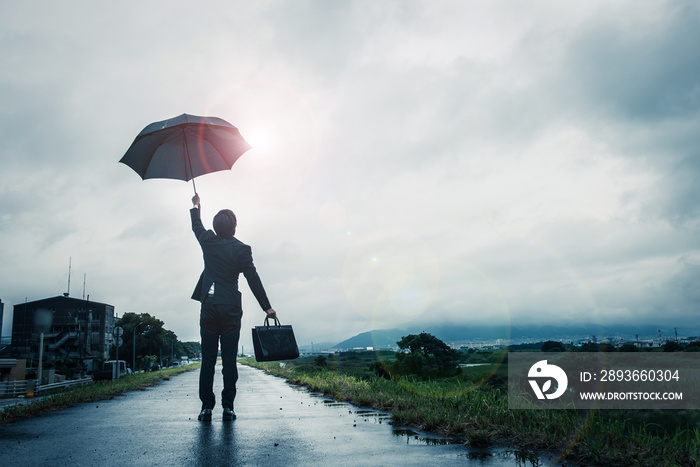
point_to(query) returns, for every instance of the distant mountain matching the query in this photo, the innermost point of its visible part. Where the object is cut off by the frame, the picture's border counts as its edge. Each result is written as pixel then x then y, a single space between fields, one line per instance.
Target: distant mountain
pixel 461 335
pixel 478 333
pixel 378 339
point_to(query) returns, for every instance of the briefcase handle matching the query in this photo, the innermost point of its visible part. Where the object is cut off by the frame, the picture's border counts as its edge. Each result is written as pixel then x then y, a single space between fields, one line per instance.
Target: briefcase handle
pixel 277 322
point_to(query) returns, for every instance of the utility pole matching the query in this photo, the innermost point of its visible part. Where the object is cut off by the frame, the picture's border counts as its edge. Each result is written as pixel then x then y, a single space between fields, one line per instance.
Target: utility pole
pixel 41 358
pixel 133 351
pixel 70 260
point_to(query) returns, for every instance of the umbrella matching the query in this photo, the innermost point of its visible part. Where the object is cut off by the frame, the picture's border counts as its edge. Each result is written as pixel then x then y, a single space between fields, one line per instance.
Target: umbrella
pixel 185 147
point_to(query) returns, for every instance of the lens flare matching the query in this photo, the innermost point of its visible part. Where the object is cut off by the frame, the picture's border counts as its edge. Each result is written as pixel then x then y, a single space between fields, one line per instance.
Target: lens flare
pixel 281 122
pixel 390 277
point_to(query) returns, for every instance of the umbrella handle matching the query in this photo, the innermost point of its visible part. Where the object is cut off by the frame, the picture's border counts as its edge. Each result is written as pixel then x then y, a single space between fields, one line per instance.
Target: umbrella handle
pixel 187 154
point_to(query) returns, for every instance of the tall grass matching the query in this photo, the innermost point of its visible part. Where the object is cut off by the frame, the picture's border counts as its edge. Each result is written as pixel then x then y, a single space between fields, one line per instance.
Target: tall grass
pixel 94 392
pixel 479 414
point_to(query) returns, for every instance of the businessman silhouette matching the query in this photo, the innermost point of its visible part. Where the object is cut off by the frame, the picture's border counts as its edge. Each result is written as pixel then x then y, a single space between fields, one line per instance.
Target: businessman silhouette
pixel 225 258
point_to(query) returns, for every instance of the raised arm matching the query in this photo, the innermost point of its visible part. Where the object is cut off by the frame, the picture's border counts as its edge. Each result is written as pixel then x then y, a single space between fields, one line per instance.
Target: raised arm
pixel 195 216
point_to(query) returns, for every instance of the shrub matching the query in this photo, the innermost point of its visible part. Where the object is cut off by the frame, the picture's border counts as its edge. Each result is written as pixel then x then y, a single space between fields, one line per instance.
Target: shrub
pixel 552 346
pixel 320 361
pixel 426 356
pixel 672 346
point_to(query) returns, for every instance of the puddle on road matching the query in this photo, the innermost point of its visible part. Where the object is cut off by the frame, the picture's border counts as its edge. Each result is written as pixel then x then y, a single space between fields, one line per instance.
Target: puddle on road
pixel 412 436
pixel 486 457
pixel 415 437
pixel 332 403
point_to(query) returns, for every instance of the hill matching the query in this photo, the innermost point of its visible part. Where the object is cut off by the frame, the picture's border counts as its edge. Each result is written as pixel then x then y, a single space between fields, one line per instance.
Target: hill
pixel 463 335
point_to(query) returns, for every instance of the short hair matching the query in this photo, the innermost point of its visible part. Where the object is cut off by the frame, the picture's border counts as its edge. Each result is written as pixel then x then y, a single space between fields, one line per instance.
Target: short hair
pixel 225 223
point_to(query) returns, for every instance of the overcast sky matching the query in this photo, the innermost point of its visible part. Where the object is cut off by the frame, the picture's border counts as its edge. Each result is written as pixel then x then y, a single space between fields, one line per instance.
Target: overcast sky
pixel 468 162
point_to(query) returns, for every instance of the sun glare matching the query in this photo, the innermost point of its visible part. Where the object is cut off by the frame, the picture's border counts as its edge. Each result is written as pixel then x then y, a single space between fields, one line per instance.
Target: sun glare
pixel 260 138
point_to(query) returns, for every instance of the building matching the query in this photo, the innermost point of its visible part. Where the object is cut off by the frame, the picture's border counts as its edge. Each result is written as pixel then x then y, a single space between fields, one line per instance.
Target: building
pixel 11 369
pixel 5 351
pixel 72 329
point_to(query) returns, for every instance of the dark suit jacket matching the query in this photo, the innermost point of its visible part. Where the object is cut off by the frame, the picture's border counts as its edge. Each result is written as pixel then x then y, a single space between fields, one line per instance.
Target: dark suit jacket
pixel 224 260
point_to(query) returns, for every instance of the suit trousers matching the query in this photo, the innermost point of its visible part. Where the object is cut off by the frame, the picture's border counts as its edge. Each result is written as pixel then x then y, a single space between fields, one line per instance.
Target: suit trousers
pixel 219 323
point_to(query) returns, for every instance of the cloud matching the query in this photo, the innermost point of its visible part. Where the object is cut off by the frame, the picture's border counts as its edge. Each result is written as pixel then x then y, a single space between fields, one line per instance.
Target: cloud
pixel 641 72
pixel 501 161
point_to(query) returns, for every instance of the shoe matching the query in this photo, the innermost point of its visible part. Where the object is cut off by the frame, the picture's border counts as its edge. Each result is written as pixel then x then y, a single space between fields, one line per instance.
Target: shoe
pixel 229 415
pixel 205 415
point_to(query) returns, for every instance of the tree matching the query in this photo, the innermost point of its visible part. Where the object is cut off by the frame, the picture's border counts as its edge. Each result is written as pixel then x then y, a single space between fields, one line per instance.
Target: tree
pixel 192 349
pixel 628 348
pixel 597 347
pixel 552 346
pixel 672 346
pixel 173 349
pixel 426 356
pixel 150 338
pixel 320 361
pixel 380 369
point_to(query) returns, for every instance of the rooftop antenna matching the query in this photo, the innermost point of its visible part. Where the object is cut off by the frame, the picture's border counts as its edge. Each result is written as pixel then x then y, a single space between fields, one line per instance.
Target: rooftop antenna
pixel 70 259
pixel 84 276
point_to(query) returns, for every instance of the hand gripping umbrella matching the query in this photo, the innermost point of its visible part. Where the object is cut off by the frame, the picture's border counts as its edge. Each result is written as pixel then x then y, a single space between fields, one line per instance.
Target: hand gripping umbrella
pixel 185 147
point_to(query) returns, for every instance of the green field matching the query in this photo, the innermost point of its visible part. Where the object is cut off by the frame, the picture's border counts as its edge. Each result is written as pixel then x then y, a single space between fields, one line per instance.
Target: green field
pixel 473 406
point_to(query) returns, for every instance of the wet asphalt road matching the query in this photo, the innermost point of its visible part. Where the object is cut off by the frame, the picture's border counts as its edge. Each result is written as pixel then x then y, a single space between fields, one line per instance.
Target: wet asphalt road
pixel 277 425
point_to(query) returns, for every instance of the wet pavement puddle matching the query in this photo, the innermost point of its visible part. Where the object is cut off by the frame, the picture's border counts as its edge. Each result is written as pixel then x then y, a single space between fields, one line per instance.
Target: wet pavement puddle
pixel 487 456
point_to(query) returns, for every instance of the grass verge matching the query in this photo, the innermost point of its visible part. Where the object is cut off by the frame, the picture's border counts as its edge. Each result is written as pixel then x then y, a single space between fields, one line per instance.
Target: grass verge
pixel 479 414
pixel 94 392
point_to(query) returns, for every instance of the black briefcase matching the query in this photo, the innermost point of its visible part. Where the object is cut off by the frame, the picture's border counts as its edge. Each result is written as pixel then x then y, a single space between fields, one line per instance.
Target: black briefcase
pixel 274 342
